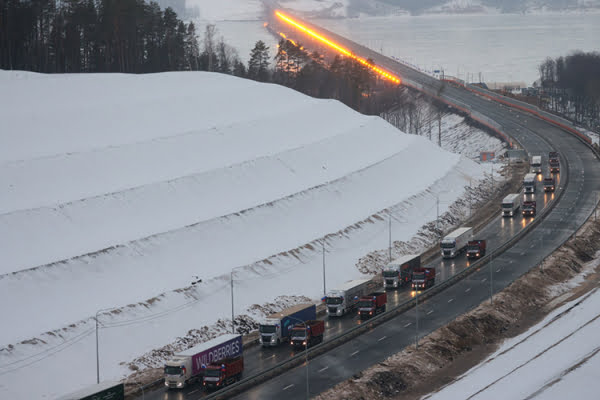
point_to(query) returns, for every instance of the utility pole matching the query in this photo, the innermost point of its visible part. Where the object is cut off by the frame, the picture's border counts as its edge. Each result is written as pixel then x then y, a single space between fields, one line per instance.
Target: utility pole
pixel 437 218
pixel 491 278
pixel 440 129
pixel 417 319
pixel 324 287
pixel 390 235
pixel 97 355
pixel 232 316
pixel 470 196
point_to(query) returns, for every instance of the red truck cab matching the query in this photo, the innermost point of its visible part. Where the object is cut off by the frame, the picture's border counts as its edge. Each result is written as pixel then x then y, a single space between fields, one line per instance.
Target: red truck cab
pixel 529 208
pixel 476 248
pixel 423 278
pixel 372 304
pixel 549 184
pixel 223 373
pixel 306 336
pixel 554 161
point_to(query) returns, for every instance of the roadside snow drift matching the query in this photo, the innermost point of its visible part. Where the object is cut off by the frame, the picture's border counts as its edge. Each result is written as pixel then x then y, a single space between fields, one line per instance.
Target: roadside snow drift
pixel 118 190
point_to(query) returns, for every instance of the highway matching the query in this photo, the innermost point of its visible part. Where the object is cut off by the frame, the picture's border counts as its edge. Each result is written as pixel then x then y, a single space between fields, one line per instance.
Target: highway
pixel 577 202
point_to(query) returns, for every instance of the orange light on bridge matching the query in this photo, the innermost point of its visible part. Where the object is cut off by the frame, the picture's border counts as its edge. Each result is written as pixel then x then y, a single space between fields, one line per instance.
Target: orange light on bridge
pixel 335 46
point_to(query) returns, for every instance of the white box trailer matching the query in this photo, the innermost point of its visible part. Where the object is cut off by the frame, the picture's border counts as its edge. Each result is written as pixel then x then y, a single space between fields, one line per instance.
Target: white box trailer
pixel 455 242
pixel 399 272
pixel 536 164
pixel 529 183
pixel 345 298
pixel 511 204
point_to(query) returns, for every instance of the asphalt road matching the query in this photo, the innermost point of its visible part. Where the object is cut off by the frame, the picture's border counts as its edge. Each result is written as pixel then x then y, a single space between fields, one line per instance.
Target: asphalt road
pixel 537 137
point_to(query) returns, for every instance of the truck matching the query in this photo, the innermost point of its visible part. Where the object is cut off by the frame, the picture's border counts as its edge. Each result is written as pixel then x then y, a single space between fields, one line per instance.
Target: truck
pixel 276 328
pixel 476 248
pixel 423 278
pixel 455 242
pixel 309 335
pixel 345 298
pixel 100 391
pixel 529 183
pixel 399 272
pixel 554 162
pixel 188 366
pixel 372 304
pixel 549 184
pixel 222 373
pixel 536 164
pixel 529 208
pixel 511 204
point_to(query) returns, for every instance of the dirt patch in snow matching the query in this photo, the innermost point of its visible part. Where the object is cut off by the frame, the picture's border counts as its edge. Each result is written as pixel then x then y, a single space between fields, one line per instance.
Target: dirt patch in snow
pixel 448 352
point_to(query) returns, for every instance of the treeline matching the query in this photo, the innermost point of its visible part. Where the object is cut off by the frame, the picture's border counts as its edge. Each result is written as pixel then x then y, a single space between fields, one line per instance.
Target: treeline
pixel 94 36
pixel 572 86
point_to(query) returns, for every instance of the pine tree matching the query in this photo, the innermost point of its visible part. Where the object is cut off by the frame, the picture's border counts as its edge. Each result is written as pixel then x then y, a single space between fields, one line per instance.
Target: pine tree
pixel 258 65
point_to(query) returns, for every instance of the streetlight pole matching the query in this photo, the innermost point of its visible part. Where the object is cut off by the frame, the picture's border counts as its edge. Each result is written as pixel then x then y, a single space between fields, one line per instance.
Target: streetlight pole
pixel 305 352
pixel 390 235
pixel 97 348
pixel 417 319
pixel 232 314
pixel 324 287
pixel 491 277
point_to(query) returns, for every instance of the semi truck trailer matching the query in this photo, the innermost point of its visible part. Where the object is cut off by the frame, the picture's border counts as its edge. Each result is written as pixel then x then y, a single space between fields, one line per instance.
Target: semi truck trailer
pixel 536 164
pixel 224 372
pixel 399 272
pixel 307 334
pixel 455 242
pixel 277 327
pixel 529 183
pixel 511 204
pixel 188 366
pixel 345 298
pixel 423 278
pixel 372 304
pixel 100 391
pixel 554 162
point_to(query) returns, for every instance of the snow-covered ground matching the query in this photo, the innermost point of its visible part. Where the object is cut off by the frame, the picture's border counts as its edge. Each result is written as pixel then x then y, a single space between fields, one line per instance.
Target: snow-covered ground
pixel 556 359
pixel 119 189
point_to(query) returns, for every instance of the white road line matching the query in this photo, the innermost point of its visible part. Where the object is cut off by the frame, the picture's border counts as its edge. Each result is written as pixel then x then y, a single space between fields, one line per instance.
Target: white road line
pixel 484 279
pixel 429 312
pixel 356 352
pixel 288 386
pixel 498 270
pixel 468 290
pixel 323 369
pixel 194 391
pixel 450 301
pixel 407 325
pixel 380 339
pixel 272 356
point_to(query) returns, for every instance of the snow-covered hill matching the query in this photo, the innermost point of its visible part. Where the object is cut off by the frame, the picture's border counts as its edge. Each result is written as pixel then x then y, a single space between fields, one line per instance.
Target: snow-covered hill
pixel 119 189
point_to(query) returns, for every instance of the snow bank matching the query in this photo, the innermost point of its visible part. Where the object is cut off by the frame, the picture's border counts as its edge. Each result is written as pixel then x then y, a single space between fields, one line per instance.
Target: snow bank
pixel 119 189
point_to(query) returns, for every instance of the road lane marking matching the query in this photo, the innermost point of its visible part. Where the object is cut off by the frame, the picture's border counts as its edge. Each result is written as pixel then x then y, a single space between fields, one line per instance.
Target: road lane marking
pixel 429 312
pixel 194 391
pixel 380 339
pixel 356 352
pixel 288 386
pixel 468 290
pixel 407 325
pixel 498 270
pixel 484 279
pixel 450 301
pixel 323 369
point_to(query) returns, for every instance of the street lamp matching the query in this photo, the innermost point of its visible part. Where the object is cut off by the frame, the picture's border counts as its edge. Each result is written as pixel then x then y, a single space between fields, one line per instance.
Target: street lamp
pixel 232 313
pixel 97 352
pixel 305 351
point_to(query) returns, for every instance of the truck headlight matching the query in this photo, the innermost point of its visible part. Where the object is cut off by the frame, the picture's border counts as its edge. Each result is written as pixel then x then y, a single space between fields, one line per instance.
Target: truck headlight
pixel 179 384
pixel 272 339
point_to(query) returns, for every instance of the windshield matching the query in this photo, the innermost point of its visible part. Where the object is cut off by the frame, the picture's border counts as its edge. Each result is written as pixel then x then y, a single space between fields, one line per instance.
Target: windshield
pixel 473 248
pixel 212 372
pixel 334 300
pixel 299 333
pixel 172 371
pixel 507 205
pixel 418 277
pixel 390 274
pixel 365 303
pixel 267 329
pixel 448 245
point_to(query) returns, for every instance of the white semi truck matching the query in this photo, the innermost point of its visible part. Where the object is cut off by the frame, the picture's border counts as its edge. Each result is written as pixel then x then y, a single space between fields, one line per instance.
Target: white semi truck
pixel 536 164
pixel 399 272
pixel 345 298
pixel 189 365
pixel 277 327
pixel 511 204
pixel 455 242
pixel 529 183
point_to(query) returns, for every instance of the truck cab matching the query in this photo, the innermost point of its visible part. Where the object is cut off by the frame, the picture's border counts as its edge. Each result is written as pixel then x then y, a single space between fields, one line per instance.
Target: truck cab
pixel 529 183
pixel 270 332
pixel 336 303
pixel 529 208
pixel 399 272
pixel 511 204
pixel 178 372
pixel 476 248
pixel 307 334
pixel 536 164
pixel 549 184
pixel 423 278
pixel 372 304
pixel 223 373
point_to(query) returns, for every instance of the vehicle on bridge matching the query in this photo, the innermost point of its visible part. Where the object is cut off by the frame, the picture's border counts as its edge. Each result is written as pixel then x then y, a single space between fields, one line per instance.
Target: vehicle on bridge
pixel 554 162
pixel 455 242
pixel 476 248
pixel 345 299
pixel 529 183
pixel 372 304
pixel 423 278
pixel 309 335
pixel 536 164
pixel 399 272
pixel 529 208
pixel 188 366
pixel 549 184
pixel 511 204
pixel 102 390
pixel 277 327
pixel 224 372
